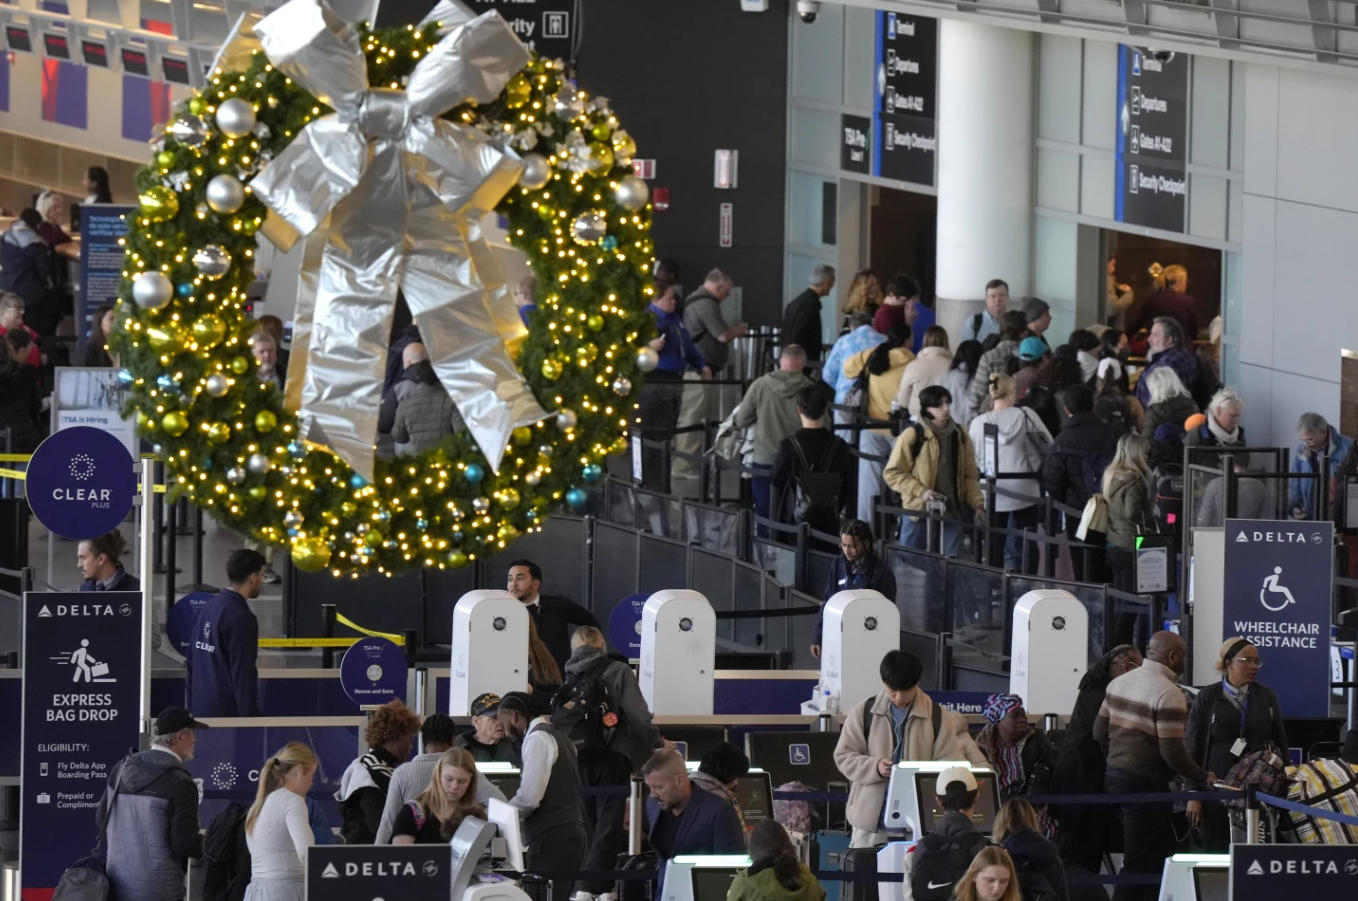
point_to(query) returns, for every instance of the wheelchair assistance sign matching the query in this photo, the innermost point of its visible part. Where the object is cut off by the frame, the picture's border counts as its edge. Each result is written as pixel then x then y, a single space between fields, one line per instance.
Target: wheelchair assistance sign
pixel 81 695
pixel 1278 591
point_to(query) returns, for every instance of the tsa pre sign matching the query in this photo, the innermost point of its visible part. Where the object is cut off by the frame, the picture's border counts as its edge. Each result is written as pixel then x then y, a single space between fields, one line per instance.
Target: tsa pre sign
pixel 80 717
pixel 1277 588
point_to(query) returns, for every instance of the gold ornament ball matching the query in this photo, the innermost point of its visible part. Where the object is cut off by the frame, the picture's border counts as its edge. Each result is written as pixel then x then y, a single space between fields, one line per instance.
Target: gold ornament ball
pixel 601 131
pixel 620 446
pixel 311 555
pixel 348 508
pixel 586 354
pixel 545 212
pixel 197 106
pixel 208 330
pixel 372 538
pixel 174 423
pixel 518 92
pixel 249 226
pixel 165 338
pixel 457 559
pixel 509 498
pixel 623 146
pixel 144 422
pixel 601 155
pixel 523 435
pixel 158 203
pixel 165 159
pixel 595 323
pixel 551 370
pixel 218 433
pixel 258 492
pixel 507 532
pixel 240 365
pixel 265 421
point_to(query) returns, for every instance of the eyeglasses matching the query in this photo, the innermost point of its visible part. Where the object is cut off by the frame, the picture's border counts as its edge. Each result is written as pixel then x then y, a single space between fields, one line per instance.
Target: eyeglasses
pixel 1248 661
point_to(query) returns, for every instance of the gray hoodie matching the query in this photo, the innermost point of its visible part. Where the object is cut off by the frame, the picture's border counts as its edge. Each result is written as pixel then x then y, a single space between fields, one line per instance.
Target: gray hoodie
pixel 637 737
pixel 771 407
pixel 153 827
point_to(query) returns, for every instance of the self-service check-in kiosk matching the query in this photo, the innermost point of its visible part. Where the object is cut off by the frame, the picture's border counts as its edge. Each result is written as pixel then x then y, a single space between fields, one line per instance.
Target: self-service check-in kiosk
pixel 912 805
pixel 1050 650
pixel 678 653
pixel 1196 877
pixel 490 648
pixel 860 627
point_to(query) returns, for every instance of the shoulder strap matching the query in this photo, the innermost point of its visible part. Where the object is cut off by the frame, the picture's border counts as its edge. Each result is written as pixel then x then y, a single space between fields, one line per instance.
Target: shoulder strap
pixel 867 718
pixel 417 810
pixel 801 454
pixel 917 442
pixel 936 716
pixel 976 325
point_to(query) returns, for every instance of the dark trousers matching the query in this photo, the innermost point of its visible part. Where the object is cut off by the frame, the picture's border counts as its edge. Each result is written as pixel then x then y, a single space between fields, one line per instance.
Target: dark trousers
pixel 558 850
pixel 1147 833
pixel 1077 555
pixel 1007 551
pixel 659 410
pixel 603 814
pixel 1122 566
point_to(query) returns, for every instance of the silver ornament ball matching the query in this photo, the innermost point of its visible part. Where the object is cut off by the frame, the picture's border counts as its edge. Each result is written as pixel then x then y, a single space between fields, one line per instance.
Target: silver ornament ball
pixel 225 194
pixel 458 514
pixel 235 475
pixel 537 171
pixel 567 103
pixel 589 228
pixel 632 193
pixel 566 419
pixel 236 118
pixel 647 359
pixel 532 480
pixel 258 464
pixel 152 290
pixel 481 504
pixel 545 450
pixel 293 520
pixel 622 387
pixel 217 385
pixel 191 131
pixel 213 261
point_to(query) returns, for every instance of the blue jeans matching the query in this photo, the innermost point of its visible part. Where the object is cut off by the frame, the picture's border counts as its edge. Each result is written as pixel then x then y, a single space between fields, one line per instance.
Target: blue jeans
pixel 915 534
pixel 761 488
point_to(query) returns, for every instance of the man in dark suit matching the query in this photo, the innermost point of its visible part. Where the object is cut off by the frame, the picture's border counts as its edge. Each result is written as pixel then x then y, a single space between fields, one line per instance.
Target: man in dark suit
pixel 222 675
pixel 555 616
pixel 801 319
pixel 683 818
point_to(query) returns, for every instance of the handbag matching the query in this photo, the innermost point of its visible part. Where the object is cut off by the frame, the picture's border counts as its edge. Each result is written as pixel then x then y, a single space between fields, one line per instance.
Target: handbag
pixel 87 878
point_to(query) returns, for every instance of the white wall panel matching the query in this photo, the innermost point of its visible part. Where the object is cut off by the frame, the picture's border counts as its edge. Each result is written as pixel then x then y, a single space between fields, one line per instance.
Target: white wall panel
pixel 817 56
pixel 1261 130
pixel 1256 388
pixel 1317 134
pixel 1099 103
pixel 1210 123
pixel 1060 66
pixel 1314 314
pixel 815 137
pixel 1207 206
pixel 1058 180
pixel 1097 186
pixel 1260 252
pixel 860 55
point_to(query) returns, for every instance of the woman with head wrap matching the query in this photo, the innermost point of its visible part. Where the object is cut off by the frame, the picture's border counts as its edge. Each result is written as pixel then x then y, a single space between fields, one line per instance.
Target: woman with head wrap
pixel 1022 757
pixel 1235 717
pixel 1081 765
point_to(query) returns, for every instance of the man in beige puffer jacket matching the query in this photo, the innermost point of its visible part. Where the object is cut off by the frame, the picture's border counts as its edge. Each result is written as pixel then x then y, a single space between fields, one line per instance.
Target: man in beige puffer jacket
pixel 902 728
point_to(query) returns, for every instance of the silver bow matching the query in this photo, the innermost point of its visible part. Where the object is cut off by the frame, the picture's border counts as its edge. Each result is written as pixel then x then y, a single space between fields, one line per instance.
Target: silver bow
pixel 390 196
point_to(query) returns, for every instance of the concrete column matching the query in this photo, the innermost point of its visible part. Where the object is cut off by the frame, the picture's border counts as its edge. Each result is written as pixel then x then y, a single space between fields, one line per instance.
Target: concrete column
pixel 985 165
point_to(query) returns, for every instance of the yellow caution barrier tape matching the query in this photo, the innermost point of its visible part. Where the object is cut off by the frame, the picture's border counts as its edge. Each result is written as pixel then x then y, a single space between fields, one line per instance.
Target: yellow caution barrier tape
pixel 346 621
pixel 307 642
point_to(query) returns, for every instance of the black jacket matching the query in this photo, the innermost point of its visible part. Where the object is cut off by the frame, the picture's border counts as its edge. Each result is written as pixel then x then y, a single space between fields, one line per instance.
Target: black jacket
pixel 20 403
pixel 503 751
pixel 152 826
pixel 555 617
pixel 1062 469
pixel 801 324
pixel 1214 725
pixel 122 581
pixel 1036 860
pixel 825 452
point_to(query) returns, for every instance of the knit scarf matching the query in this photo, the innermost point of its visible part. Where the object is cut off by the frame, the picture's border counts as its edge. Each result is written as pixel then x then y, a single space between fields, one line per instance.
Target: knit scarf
pixel 1223 436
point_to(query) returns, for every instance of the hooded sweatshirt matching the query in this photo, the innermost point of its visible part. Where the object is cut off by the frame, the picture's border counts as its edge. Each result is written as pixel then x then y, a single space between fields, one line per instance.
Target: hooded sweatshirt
pixel 636 738
pixel 761 884
pixel 1023 444
pixel 1036 860
pixel 363 794
pixel 152 826
pixel 770 406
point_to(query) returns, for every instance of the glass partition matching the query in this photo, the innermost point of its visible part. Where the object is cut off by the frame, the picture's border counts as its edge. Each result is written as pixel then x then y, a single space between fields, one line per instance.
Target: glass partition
pixel 921 594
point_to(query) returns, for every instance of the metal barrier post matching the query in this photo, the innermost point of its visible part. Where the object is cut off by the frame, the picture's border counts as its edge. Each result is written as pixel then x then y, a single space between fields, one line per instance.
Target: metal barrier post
pixel 157 525
pixel 171 551
pixel 988 536
pixel 1251 815
pixel 412 644
pixel 328 612
pixel 1323 485
pixel 1049 518
pixel 1230 487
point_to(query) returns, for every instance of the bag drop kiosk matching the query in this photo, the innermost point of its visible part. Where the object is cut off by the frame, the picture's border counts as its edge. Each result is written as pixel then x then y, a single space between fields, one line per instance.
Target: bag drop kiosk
pixel 1050 651
pixel 860 627
pixel 701 877
pixel 490 648
pixel 678 653
pixel 1196 877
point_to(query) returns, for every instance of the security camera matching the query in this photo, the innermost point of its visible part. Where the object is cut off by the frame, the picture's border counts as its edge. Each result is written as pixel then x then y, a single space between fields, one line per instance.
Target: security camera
pixel 808 10
pixel 1160 56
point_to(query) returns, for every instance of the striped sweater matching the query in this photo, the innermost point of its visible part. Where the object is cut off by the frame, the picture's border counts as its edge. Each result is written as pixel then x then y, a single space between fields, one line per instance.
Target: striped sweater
pixel 1141 726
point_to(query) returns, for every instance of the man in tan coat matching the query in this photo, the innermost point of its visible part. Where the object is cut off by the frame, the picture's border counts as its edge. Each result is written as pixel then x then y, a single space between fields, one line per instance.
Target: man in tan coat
pixel 903 723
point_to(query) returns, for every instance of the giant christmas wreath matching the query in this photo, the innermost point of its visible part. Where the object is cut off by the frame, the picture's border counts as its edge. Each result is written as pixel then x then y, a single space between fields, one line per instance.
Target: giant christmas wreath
pixel 228 440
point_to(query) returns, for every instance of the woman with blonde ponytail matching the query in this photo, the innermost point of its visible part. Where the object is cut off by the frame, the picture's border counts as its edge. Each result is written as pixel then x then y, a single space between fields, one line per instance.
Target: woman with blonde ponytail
pixel 277 829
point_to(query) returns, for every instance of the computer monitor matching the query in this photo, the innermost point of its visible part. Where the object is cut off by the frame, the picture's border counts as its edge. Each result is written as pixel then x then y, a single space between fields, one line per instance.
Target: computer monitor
pixel 713 883
pixel 987 801
pixel 1212 883
pixel 504 776
pixel 506 819
pixel 754 796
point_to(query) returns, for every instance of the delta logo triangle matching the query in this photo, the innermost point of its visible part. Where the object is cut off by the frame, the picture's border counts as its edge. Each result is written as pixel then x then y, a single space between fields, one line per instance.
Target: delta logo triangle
pixel 44 611
pixel 1242 538
pixel 330 872
pixel 1255 869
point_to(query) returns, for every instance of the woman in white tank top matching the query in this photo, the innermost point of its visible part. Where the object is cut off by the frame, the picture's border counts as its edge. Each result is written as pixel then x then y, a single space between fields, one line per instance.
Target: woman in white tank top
pixel 278 830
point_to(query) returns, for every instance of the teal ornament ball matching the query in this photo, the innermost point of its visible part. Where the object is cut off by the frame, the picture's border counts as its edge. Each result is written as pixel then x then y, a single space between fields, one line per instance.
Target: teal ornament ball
pixel 474 473
pixel 592 472
pixel 184 289
pixel 576 497
pixel 609 243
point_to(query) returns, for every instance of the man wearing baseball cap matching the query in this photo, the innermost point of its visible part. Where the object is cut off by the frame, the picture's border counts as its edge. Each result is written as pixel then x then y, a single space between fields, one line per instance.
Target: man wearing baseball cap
pixel 487 740
pixel 150 813
pixel 936 862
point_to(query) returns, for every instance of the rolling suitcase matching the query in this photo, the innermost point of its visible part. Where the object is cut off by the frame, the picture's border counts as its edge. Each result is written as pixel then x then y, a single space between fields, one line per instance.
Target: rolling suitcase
pixel 859 861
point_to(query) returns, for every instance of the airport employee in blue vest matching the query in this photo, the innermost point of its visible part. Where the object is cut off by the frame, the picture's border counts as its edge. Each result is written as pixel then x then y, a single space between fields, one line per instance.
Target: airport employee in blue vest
pixel 222 676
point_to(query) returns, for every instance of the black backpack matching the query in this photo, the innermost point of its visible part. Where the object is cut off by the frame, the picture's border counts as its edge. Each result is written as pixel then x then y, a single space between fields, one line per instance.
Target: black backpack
pixel 1033 886
pixel 226 857
pixel 1111 408
pixel 584 710
pixel 817 492
pixel 940 862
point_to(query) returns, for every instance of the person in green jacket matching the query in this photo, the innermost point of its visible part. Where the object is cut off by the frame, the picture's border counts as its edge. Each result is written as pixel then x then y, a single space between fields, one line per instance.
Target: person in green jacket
pixel 1131 512
pixel 775 874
